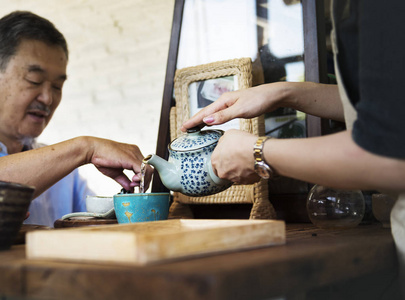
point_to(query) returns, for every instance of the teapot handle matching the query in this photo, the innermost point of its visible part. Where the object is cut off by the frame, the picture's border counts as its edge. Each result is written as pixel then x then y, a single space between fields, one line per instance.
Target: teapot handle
pixel 214 177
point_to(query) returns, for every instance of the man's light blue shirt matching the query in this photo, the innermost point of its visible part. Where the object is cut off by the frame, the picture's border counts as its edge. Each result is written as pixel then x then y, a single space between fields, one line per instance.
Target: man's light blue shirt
pixel 66 196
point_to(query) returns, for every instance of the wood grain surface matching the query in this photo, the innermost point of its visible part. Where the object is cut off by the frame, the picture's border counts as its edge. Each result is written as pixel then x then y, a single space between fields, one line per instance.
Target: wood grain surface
pixel 143 243
pixel 311 259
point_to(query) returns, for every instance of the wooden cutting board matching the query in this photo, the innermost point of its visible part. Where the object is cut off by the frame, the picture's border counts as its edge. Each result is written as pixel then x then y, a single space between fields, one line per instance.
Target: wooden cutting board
pixel 143 243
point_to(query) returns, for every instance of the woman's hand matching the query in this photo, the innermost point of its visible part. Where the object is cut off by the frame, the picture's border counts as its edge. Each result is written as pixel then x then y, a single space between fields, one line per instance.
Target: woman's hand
pixel 248 103
pixel 317 99
pixel 233 159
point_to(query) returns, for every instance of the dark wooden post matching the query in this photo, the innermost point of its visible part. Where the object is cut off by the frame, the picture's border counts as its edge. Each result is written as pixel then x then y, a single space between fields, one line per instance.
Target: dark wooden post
pixel 164 129
pixel 315 55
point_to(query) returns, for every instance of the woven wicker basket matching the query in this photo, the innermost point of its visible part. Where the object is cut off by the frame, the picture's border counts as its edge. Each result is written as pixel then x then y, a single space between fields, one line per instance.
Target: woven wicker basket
pixel 256 194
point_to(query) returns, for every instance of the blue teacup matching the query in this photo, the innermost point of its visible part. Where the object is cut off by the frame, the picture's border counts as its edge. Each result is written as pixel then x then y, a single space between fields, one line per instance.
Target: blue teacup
pixel 141 207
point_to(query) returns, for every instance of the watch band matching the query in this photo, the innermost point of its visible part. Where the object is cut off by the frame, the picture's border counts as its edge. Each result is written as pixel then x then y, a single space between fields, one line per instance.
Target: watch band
pixel 258 148
pixel 261 167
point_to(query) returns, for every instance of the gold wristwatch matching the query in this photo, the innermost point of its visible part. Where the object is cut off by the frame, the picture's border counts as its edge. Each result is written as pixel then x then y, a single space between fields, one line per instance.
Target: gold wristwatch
pixel 261 167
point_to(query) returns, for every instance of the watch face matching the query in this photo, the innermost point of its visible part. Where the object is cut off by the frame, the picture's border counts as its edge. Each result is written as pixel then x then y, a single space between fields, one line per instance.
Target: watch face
pixel 262 170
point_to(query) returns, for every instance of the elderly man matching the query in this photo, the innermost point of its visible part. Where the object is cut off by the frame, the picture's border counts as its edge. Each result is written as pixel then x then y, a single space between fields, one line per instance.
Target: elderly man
pixel 33 61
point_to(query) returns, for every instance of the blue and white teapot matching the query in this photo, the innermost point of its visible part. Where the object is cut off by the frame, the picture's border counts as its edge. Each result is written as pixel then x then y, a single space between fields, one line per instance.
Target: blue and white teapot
pixel 189 169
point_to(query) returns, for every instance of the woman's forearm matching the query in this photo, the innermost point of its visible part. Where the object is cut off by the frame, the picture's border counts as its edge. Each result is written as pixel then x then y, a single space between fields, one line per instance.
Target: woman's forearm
pixel 316 99
pixel 335 161
pixel 312 98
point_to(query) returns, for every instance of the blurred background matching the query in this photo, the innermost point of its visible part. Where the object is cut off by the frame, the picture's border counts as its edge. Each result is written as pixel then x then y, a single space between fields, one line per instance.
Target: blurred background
pixel 116 71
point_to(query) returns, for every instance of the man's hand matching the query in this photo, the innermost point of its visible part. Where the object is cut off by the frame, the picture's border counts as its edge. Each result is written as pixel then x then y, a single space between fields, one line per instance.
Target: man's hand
pixel 112 158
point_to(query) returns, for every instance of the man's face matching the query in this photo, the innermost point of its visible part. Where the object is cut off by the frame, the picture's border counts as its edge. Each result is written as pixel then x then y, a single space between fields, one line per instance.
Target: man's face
pixel 31 89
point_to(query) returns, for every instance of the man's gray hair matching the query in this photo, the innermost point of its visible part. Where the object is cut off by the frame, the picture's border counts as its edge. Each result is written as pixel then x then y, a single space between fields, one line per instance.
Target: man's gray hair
pixel 25 25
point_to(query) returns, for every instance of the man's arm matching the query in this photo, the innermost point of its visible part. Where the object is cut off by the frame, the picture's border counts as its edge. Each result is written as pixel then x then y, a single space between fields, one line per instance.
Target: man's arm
pixel 45 166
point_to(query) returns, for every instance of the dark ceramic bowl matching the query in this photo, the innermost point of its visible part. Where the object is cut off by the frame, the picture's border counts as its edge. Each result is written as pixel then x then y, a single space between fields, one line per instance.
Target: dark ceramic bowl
pixel 14 202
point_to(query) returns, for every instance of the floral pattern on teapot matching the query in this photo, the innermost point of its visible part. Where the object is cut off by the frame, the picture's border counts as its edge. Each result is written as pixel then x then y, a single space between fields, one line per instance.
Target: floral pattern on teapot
pixel 195 178
pixel 189 169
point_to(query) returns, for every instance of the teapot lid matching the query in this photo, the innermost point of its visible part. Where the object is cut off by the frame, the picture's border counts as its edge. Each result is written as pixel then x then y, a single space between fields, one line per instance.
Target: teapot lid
pixel 195 139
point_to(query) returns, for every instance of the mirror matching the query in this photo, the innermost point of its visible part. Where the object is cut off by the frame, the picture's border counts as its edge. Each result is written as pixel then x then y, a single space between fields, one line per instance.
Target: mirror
pixel 270 32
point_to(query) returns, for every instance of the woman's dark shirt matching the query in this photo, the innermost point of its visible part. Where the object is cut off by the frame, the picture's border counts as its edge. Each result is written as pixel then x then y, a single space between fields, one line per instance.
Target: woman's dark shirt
pixel 371 59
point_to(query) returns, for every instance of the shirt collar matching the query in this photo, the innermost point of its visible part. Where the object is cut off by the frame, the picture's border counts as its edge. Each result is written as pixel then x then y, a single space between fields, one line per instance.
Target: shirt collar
pixel 4 151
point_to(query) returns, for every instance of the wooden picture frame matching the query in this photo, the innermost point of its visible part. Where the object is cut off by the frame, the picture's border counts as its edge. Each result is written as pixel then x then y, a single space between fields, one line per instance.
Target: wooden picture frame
pixel 238 69
pixel 238 73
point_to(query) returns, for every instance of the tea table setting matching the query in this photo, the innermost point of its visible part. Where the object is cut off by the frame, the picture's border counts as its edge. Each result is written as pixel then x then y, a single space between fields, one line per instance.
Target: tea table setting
pixel 128 246
pixel 198 259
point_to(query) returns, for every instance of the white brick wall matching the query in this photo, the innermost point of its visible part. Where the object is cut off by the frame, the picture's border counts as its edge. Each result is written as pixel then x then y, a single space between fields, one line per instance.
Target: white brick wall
pixel 118 52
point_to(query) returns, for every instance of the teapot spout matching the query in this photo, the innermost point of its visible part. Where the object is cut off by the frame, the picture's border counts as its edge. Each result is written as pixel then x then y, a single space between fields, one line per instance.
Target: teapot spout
pixel 167 172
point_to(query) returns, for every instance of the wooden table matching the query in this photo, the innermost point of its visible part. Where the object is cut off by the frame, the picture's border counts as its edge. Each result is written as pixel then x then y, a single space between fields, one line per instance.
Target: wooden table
pixel 314 263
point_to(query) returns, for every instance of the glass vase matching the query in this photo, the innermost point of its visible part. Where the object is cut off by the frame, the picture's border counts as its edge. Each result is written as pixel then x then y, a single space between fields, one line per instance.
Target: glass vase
pixel 335 208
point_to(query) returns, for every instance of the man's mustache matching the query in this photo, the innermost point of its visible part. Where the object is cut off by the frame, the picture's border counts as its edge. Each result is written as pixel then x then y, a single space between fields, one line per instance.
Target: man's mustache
pixel 40 106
